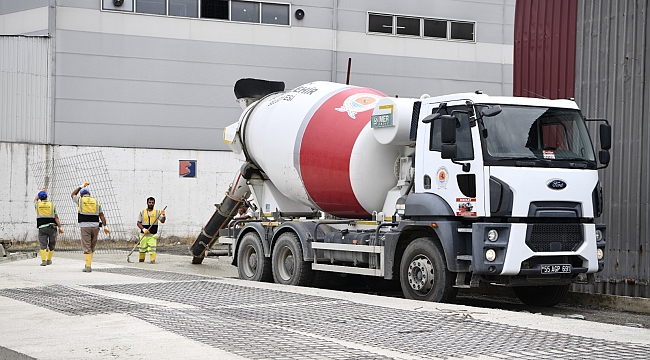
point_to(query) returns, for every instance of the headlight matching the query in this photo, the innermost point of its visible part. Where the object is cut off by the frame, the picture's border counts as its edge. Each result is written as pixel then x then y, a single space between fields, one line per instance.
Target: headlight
pixel 599 235
pixel 400 208
pixel 492 235
pixel 490 255
pixel 600 254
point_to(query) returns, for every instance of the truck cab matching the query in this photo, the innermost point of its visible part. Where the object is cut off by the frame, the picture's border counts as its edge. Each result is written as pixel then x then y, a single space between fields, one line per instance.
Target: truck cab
pixel 512 187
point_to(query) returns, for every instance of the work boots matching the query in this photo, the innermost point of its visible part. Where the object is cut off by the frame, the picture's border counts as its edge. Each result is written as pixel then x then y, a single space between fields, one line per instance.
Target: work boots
pixel 43 257
pixel 89 259
pixel 152 257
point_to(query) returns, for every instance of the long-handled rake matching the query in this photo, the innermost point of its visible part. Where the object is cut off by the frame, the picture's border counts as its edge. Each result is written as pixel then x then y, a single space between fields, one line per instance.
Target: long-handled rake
pixel 128 257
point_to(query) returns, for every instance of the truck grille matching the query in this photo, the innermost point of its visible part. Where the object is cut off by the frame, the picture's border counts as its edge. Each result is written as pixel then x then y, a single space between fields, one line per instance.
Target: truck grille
pixel 554 237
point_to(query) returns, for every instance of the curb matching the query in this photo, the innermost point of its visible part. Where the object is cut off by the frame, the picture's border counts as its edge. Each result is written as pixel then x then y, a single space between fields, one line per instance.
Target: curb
pixel 17 256
pixel 618 302
pixel 626 303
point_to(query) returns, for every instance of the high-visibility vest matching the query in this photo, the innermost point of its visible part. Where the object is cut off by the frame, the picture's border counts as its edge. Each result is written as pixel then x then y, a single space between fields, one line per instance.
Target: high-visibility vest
pixel 150 218
pixel 88 209
pixel 45 213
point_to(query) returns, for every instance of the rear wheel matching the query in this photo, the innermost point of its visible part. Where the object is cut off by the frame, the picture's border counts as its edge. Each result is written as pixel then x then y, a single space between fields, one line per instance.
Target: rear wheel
pixel 424 274
pixel 542 295
pixel 251 262
pixel 288 265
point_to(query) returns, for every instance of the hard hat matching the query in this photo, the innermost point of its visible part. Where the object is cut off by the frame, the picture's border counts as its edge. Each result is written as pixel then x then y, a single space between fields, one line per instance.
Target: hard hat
pixel 84 191
pixel 42 195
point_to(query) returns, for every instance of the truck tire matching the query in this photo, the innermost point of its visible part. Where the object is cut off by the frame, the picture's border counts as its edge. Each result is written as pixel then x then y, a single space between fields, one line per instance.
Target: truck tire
pixel 542 295
pixel 287 263
pixel 424 274
pixel 251 263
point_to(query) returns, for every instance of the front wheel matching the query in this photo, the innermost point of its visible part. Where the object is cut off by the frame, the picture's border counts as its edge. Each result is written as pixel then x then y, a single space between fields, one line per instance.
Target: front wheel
pixel 424 274
pixel 542 295
pixel 251 263
pixel 288 265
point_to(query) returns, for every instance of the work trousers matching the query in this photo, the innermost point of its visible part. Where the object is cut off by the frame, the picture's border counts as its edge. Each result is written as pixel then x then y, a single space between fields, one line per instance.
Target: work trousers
pixel 89 239
pixel 148 243
pixel 47 237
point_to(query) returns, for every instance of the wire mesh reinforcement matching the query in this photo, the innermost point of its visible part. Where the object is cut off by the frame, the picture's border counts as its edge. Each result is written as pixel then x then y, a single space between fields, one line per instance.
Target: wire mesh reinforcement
pixel 60 177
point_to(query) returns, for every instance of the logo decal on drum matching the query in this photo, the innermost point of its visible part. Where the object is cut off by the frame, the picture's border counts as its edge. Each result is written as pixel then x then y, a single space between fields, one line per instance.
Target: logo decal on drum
pixel 359 103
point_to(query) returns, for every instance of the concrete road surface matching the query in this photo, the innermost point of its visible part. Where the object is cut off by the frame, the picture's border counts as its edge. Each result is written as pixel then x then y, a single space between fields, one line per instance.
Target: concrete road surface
pixel 175 310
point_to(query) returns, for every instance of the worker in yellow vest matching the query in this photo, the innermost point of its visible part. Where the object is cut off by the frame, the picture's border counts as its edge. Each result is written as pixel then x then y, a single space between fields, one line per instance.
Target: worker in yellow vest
pixel 89 215
pixel 148 225
pixel 47 221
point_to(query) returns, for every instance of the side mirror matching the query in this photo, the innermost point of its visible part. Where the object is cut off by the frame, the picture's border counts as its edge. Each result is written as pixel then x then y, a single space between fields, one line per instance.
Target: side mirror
pixel 490 111
pixel 449 151
pixel 605 137
pixel 431 118
pixel 603 157
pixel 448 129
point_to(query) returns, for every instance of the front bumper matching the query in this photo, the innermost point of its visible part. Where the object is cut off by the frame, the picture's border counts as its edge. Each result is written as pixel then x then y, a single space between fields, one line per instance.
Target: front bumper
pixel 514 255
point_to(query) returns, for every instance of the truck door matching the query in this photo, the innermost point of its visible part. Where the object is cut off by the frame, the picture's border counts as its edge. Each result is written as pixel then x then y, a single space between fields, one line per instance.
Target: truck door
pixel 463 190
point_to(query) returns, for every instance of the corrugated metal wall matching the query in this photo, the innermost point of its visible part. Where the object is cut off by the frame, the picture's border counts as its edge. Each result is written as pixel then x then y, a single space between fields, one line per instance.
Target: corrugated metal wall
pixel 544 55
pixel 612 82
pixel 25 89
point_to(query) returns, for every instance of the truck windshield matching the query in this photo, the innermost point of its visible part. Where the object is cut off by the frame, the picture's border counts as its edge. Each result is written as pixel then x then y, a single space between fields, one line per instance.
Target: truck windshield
pixel 528 132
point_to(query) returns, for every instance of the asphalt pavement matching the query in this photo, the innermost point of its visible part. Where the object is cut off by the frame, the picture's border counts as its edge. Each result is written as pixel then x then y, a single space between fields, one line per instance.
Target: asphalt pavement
pixel 176 310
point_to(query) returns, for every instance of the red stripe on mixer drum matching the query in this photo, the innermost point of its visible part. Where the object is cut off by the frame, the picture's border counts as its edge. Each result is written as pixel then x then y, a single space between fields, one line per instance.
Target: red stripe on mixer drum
pixel 326 149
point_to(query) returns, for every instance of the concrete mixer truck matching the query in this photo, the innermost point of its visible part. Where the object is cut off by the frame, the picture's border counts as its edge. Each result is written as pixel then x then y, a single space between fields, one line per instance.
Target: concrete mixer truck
pixel 438 193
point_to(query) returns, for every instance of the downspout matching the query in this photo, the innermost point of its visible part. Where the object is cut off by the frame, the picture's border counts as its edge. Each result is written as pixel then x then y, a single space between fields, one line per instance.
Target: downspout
pixel 335 34
pixel 51 32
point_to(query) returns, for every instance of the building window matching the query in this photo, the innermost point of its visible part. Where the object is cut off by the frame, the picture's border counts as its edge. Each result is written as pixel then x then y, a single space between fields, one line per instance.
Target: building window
pixel 462 31
pixel 421 27
pixel 435 28
pixel 214 9
pixel 275 14
pixel 234 10
pixel 245 11
pixel 186 8
pixel 158 7
pixel 408 26
pixel 380 23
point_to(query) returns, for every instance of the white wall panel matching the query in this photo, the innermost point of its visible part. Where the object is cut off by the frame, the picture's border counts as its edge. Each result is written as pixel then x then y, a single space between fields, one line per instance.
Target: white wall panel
pixel 25 89
pixel 24 22
pixel 135 174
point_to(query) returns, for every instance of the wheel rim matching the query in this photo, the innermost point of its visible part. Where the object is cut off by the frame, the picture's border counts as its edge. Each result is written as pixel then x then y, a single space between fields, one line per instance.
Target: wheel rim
pixel 286 263
pixel 420 274
pixel 250 261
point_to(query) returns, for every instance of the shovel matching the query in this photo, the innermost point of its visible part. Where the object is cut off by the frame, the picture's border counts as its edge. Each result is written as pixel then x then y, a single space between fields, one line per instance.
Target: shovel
pixel 128 257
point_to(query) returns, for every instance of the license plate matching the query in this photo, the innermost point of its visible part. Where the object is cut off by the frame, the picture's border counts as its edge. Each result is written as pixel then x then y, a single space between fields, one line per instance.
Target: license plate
pixel 556 269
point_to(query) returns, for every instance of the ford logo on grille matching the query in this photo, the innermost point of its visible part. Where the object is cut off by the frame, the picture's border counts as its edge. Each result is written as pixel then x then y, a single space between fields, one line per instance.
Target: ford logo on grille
pixel 556 184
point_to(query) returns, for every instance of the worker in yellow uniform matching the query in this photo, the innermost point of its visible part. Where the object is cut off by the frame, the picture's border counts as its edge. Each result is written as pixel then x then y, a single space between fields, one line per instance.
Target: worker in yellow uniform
pixel 148 225
pixel 89 216
pixel 47 221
